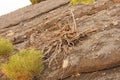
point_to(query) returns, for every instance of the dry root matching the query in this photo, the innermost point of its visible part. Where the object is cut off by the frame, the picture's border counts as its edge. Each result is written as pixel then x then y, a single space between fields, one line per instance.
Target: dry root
pixel 61 42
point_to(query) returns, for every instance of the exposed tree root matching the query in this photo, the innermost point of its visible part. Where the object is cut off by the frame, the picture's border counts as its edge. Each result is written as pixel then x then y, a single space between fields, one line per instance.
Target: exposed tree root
pixel 61 43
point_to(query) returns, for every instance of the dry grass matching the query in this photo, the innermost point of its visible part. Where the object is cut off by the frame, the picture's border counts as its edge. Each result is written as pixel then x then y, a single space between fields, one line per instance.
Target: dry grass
pixel 57 44
pixel 60 43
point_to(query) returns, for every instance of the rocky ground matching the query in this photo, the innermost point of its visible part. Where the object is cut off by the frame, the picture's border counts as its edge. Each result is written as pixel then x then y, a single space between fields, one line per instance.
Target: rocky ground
pixel 79 42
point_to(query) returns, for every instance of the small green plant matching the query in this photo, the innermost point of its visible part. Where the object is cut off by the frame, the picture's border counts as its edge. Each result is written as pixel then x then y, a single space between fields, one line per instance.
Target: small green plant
pixel 73 2
pixel 6 47
pixel 35 1
pixel 24 65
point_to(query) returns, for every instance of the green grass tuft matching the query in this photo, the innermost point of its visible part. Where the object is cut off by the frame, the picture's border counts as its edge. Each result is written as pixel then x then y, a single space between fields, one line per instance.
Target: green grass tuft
pixel 35 1
pixel 6 47
pixel 24 65
pixel 74 2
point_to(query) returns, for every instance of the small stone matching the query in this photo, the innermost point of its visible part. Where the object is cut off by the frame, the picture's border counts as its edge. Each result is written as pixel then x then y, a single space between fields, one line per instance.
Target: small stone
pixel 10 33
pixel 103 74
pixel 65 63
pixel 115 23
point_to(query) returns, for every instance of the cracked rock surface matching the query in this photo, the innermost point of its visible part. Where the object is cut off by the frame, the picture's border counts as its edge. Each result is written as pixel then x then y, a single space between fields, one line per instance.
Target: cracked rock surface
pixel 93 50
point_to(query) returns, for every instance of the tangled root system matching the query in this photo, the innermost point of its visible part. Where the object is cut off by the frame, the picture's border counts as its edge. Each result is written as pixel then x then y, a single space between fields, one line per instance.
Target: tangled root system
pixel 62 42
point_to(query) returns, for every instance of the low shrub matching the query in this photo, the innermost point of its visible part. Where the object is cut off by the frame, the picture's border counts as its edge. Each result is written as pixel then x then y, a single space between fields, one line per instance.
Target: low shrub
pixel 6 47
pixel 23 65
pixel 73 2
pixel 35 1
